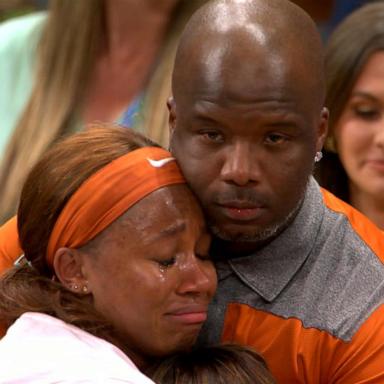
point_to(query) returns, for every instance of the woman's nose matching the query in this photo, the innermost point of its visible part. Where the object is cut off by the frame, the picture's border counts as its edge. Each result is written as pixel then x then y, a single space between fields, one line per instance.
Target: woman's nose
pixel 379 134
pixel 198 277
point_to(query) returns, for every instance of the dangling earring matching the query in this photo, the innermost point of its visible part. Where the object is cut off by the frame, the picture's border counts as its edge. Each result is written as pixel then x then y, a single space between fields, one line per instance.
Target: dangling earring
pixel 318 156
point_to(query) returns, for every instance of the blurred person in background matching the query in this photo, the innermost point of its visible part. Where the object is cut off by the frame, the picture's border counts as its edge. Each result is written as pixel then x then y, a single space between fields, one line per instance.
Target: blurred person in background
pixel 83 61
pixel 328 13
pixel 353 165
pixel 14 8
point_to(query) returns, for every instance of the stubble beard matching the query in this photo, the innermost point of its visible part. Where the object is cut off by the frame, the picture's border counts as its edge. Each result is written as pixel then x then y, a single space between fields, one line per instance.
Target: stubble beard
pixel 260 235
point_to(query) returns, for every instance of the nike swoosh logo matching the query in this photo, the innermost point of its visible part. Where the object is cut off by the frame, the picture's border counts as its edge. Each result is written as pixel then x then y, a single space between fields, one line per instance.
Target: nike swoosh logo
pixel 160 163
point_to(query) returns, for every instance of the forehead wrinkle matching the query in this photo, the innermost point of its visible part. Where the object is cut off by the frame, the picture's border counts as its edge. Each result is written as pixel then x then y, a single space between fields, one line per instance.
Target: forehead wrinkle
pixel 171 230
pixel 277 105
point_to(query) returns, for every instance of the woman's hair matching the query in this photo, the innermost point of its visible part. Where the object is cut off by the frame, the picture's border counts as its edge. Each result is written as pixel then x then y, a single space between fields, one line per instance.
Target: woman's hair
pixel 350 46
pixel 48 187
pixel 66 54
pixel 220 364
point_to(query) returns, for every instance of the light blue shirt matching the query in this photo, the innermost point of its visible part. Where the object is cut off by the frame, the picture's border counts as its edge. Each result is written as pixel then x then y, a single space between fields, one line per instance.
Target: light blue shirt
pixel 19 38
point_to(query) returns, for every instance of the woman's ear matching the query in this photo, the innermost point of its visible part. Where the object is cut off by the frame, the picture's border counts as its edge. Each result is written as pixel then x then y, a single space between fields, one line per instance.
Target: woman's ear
pixel 68 267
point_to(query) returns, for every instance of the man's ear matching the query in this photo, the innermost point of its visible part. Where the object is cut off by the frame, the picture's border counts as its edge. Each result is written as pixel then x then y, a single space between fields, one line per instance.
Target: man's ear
pixel 322 129
pixel 171 104
pixel 68 267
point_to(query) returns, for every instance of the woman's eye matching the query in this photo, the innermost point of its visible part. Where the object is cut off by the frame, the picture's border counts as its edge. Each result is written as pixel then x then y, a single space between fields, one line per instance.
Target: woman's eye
pixel 167 262
pixel 367 113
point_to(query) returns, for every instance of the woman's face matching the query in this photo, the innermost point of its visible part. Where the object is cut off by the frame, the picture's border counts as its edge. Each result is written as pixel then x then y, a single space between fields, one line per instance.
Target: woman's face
pixel 150 273
pixel 359 132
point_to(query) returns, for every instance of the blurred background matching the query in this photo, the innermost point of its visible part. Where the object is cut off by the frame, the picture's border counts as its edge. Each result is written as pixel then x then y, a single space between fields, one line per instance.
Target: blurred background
pixel 13 8
pixel 327 13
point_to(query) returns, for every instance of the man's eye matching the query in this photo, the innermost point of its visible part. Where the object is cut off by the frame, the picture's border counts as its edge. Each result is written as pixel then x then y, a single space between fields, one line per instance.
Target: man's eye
pixel 213 136
pixel 275 138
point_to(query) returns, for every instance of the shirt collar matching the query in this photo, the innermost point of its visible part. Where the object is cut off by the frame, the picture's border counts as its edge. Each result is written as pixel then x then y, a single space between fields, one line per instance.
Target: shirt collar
pixel 270 269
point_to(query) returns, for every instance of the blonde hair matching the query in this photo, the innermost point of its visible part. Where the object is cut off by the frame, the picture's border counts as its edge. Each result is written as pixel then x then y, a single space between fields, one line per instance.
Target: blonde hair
pixel 67 50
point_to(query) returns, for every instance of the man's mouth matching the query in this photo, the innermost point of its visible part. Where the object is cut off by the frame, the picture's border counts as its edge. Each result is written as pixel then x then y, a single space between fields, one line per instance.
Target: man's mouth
pixel 240 210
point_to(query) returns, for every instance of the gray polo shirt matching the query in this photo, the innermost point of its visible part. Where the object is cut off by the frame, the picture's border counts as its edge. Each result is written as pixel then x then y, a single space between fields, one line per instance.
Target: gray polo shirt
pixel 319 271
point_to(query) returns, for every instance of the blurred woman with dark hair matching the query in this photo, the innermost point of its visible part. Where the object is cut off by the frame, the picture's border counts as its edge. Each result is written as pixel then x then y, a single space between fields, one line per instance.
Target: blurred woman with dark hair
pixel 353 165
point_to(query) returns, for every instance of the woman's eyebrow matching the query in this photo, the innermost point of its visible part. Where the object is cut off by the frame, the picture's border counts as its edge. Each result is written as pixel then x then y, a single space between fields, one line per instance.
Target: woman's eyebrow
pixel 168 231
pixel 364 95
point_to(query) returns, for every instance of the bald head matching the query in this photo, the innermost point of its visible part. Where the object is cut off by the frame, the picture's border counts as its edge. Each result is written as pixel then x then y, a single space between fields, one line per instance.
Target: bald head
pixel 274 37
pixel 247 114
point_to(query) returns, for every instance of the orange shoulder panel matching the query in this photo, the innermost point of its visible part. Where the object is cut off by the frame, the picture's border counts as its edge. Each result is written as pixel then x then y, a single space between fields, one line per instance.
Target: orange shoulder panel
pixel 296 354
pixel 10 248
pixel 368 231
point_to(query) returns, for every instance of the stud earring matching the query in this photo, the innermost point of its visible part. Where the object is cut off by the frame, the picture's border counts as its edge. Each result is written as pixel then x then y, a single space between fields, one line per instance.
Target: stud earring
pixel 318 156
pixel 75 287
pixel 84 289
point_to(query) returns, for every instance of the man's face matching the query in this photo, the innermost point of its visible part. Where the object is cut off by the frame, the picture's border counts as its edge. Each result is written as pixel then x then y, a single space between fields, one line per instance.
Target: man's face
pixel 245 137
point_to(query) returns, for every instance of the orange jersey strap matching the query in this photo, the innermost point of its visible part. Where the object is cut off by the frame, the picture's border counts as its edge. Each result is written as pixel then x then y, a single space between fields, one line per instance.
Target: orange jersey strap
pixel 296 354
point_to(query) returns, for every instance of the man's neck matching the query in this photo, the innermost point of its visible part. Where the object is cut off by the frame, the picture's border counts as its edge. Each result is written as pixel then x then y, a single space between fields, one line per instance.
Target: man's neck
pixel 224 249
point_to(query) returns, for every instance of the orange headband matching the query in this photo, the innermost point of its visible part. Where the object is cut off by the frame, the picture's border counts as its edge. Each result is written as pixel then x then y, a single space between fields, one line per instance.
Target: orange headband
pixel 108 193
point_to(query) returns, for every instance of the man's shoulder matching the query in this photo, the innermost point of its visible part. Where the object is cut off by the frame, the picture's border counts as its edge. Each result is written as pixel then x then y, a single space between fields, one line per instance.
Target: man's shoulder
pixel 371 236
pixel 333 285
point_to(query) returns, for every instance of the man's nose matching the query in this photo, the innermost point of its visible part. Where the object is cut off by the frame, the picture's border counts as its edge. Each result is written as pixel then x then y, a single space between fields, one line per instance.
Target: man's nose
pixel 240 165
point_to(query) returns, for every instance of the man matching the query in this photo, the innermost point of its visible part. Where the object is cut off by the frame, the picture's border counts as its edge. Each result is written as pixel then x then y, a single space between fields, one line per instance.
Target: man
pixel 301 275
